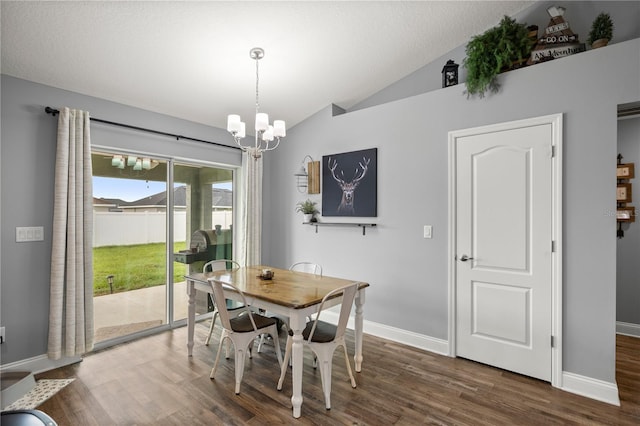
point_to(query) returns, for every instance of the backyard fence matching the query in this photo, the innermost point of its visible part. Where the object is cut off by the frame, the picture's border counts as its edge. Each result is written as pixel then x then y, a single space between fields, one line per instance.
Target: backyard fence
pixel 126 228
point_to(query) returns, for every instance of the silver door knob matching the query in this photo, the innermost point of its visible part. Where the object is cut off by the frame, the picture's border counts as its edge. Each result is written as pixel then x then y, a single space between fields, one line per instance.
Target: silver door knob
pixel 464 258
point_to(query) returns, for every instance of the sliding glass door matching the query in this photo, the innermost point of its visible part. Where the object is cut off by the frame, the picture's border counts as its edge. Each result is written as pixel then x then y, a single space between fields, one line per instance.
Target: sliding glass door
pixel 202 214
pixel 138 249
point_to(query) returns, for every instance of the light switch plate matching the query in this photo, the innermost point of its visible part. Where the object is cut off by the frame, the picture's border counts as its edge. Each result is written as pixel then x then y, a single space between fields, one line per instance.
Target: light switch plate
pixel 427 231
pixel 29 233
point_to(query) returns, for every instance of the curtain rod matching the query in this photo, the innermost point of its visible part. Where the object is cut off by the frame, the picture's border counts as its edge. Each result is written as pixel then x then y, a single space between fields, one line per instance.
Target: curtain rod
pixel 54 112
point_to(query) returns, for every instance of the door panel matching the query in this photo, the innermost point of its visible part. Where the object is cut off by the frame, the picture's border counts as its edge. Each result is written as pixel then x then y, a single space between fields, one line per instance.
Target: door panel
pixel 504 227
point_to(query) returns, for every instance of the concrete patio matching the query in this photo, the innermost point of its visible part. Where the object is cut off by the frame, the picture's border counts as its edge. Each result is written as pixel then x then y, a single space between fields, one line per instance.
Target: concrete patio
pixel 143 306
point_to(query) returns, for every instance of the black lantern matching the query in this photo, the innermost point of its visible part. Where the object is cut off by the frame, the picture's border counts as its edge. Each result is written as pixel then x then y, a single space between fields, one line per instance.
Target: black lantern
pixel 450 74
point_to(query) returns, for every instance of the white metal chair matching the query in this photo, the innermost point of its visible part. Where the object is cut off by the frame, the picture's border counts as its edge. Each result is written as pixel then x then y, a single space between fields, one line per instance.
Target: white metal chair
pixel 241 330
pixel 323 338
pixel 217 265
pixel 310 267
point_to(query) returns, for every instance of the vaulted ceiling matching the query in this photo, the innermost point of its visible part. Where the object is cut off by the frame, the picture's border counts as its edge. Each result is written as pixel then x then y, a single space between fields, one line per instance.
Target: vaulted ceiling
pixel 191 59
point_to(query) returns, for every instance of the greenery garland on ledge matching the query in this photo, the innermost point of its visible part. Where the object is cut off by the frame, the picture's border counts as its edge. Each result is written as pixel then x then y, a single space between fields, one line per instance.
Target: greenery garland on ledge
pixel 493 52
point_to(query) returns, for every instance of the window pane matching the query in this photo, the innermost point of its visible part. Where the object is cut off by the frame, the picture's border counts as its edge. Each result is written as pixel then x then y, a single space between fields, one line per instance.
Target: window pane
pixel 130 292
pixel 203 198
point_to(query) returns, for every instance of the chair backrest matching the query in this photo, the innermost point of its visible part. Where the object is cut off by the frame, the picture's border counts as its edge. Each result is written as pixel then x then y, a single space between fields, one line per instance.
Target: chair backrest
pixel 218 298
pixel 310 267
pixel 349 293
pixel 220 264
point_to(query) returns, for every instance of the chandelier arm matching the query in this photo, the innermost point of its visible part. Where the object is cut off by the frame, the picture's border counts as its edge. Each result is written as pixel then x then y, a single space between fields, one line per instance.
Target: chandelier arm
pixel 268 148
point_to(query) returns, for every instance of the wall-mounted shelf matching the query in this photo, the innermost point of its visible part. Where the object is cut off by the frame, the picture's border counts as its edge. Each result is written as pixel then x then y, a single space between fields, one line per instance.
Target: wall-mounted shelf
pixel 362 225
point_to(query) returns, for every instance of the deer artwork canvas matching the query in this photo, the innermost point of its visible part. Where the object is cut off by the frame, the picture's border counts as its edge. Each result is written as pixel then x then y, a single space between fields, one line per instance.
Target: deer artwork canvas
pixel 350 184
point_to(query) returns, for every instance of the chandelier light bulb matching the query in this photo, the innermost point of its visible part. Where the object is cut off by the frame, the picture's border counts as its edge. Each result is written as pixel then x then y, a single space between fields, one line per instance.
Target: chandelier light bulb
pixel 279 129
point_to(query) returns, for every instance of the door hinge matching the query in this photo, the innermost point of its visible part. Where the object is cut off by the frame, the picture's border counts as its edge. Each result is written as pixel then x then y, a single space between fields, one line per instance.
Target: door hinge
pixel 553 246
pixel 553 151
pixel 552 342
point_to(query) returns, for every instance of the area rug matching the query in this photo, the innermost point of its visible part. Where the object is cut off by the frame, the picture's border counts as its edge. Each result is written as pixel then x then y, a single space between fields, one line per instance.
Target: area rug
pixel 105 333
pixel 43 390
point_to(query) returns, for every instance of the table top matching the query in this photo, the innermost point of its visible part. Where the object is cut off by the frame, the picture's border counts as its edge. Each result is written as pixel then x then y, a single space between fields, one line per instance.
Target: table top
pixel 292 289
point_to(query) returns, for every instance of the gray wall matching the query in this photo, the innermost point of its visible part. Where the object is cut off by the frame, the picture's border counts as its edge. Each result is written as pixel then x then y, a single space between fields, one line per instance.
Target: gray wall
pixel 27 170
pixel 408 274
pixel 628 278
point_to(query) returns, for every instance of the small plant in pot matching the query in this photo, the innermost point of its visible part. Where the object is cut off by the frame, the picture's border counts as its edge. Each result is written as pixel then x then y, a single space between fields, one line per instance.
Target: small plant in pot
pixel 601 31
pixel 308 209
pixel 503 47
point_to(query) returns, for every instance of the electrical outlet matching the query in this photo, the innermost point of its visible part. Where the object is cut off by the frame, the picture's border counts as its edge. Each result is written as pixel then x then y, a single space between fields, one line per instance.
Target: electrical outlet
pixel 2 336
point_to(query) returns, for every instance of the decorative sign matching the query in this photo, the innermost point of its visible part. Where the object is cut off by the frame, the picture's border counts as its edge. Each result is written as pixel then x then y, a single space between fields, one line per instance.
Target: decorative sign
pixel 559 40
pixel 623 193
pixel 625 171
pixel 624 213
pixel 313 180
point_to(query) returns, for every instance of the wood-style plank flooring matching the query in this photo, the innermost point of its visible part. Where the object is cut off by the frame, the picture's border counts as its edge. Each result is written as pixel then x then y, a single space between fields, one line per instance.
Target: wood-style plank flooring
pixel 151 381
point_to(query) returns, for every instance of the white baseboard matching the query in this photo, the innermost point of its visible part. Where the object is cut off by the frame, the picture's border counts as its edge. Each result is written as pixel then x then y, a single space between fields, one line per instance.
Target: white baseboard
pixel 628 329
pixel 591 388
pixel 398 335
pixel 574 383
pixel 39 364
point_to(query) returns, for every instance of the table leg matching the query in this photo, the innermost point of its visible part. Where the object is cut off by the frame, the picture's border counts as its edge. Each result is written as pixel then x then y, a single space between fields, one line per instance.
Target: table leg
pixel 360 296
pixel 191 315
pixel 297 325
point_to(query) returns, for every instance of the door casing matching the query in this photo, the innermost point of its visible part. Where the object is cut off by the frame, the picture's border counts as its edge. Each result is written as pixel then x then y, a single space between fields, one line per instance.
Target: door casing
pixel 555 120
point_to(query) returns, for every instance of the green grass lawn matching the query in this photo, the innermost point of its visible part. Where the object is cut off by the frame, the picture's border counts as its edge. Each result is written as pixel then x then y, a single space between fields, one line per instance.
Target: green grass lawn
pixel 133 267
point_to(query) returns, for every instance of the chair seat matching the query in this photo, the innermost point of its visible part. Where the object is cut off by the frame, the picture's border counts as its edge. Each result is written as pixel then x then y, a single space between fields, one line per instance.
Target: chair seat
pixel 325 332
pixel 242 324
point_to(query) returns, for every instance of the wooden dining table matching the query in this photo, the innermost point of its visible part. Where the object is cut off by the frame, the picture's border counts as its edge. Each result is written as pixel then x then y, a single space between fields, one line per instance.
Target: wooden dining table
pixel 296 295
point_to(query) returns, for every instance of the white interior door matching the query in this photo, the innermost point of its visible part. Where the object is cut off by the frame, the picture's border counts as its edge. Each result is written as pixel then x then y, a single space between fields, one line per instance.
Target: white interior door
pixel 503 247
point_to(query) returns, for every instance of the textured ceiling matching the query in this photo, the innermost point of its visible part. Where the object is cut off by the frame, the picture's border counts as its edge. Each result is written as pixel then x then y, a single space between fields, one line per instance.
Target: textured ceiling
pixel 191 59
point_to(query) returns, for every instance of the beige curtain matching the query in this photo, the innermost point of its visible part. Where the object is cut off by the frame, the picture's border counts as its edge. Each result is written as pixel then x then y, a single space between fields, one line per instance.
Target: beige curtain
pixel 250 232
pixel 71 292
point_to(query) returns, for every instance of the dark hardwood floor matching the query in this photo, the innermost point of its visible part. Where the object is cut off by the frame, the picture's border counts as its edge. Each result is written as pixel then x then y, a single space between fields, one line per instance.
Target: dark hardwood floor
pixel 152 381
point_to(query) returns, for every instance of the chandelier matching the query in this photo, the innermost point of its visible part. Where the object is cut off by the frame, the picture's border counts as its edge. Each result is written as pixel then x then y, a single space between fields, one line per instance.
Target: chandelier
pixel 138 165
pixel 265 133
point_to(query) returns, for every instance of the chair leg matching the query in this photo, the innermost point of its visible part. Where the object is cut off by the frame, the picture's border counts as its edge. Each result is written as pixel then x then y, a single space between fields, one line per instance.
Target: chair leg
pixel 213 322
pixel 325 377
pixel 239 361
pixel 285 362
pixel 276 344
pixel 346 358
pixel 215 364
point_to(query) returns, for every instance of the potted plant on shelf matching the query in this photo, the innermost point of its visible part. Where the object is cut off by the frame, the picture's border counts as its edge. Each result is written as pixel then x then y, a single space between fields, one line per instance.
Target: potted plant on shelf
pixel 601 31
pixel 308 209
pixel 501 48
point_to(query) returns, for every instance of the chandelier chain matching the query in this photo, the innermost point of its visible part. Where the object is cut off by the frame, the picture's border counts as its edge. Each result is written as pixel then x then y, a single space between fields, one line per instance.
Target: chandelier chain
pixel 257 81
